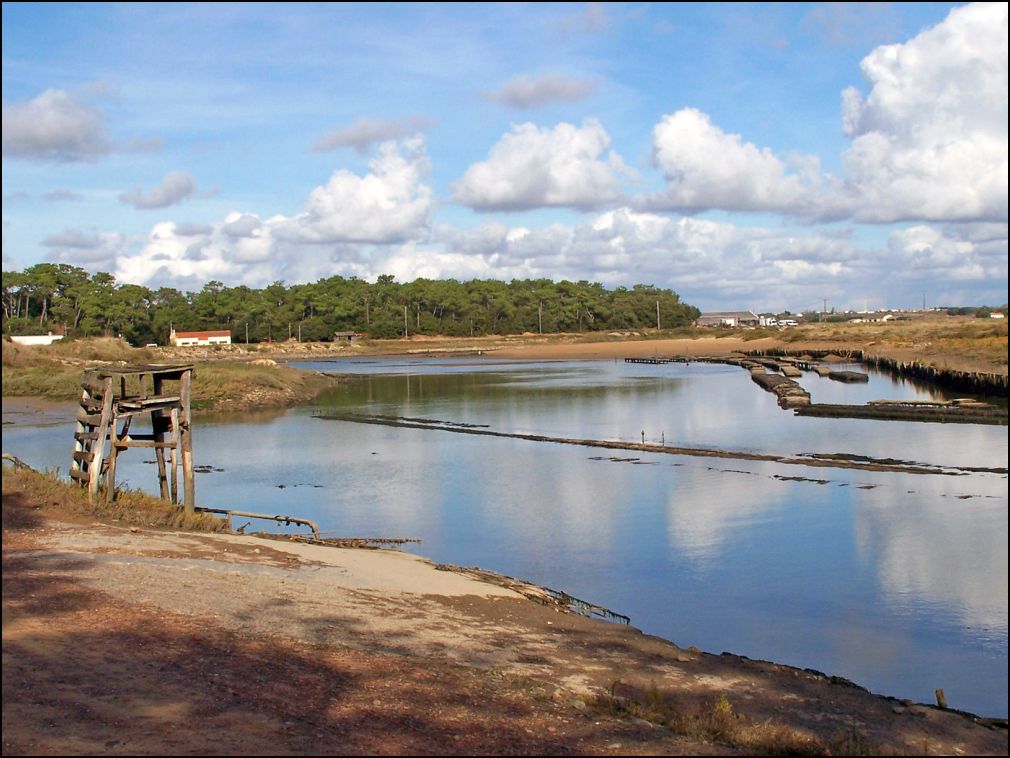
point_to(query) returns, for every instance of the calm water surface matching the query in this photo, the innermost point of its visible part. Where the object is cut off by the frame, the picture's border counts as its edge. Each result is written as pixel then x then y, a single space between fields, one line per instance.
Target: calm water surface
pixel 897 581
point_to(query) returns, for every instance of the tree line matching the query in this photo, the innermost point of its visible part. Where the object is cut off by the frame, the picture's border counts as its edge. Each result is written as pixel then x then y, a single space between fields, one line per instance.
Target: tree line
pixel 66 299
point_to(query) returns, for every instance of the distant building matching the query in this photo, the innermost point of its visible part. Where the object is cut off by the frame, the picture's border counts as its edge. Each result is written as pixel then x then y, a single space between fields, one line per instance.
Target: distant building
pixel 874 318
pixel 348 336
pixel 36 339
pixel 996 314
pixel 731 319
pixel 195 339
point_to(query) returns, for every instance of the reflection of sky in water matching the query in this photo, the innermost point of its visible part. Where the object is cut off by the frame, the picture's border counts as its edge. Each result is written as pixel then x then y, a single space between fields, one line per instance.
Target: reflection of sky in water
pixel 892 580
pixel 695 405
pixel 733 499
pixel 930 549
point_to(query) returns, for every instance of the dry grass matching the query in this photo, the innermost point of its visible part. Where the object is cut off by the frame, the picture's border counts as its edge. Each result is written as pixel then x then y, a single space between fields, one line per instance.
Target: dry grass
pixel 218 386
pixel 905 333
pixel 716 721
pixel 131 507
pixel 50 383
pixel 956 342
pixel 54 373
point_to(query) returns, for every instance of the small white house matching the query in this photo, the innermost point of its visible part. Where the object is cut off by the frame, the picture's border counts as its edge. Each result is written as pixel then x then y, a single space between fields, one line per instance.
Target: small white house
pixel 197 339
pixel 36 339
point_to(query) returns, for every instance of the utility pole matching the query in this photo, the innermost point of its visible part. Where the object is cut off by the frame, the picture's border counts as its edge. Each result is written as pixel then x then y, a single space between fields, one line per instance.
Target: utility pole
pixel 405 322
pixel 540 316
pixel 247 332
pixel 657 315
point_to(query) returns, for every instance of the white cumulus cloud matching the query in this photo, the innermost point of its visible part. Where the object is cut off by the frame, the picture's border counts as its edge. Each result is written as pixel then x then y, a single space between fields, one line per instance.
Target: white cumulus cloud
pixel 707 262
pixel 55 126
pixel 565 166
pixel 347 226
pixel 923 251
pixel 707 168
pixel 929 140
pixel 392 203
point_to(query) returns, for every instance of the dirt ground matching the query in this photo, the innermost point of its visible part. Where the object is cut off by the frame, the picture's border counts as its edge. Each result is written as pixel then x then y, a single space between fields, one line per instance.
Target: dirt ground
pixel 123 640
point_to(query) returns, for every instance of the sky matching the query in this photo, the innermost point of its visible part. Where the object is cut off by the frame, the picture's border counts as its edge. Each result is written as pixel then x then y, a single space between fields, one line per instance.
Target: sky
pixel 748 156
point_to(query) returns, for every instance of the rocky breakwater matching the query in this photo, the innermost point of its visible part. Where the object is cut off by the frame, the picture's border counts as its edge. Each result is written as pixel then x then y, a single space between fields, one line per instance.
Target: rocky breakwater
pixel 789 393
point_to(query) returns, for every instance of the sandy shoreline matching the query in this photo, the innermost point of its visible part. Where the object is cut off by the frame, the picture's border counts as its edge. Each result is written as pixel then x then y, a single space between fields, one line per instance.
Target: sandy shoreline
pixel 387 611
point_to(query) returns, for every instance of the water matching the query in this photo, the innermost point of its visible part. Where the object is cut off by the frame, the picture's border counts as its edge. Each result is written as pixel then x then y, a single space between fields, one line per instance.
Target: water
pixel 897 581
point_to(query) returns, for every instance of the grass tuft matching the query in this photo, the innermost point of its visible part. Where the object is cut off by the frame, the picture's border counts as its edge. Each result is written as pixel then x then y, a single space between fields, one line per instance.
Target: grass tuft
pixel 131 507
pixel 715 720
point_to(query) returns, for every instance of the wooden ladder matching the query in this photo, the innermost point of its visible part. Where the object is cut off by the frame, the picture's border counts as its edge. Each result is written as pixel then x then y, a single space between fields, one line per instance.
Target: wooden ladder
pixel 94 418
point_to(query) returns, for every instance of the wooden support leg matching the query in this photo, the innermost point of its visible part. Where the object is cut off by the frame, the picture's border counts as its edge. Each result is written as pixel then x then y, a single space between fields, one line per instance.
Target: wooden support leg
pixel 158 421
pixel 186 440
pixel 95 469
pixel 110 492
pixel 110 485
pixel 159 456
pixel 174 455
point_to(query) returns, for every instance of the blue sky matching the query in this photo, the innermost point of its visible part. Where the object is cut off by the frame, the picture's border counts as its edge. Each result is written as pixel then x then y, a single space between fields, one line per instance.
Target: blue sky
pixel 747 156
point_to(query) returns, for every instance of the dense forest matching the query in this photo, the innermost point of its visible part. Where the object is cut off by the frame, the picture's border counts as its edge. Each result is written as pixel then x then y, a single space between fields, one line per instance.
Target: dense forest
pixel 66 299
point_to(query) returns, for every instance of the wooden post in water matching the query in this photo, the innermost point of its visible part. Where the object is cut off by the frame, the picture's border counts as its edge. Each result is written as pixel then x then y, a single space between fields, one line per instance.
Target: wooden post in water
pixel 941 699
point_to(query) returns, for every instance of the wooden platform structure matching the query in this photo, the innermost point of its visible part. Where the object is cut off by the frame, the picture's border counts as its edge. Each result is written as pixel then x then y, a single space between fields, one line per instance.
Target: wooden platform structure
pixel 111 398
